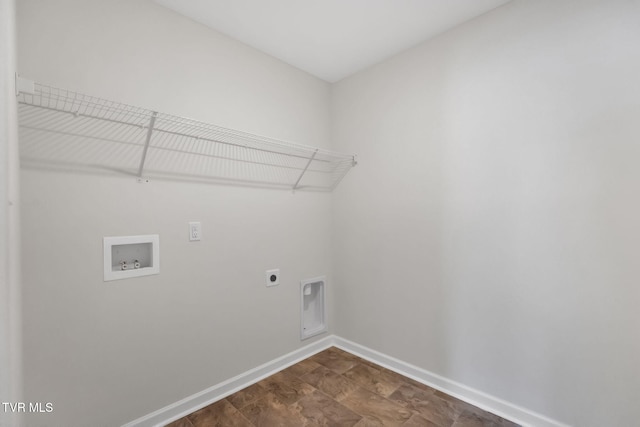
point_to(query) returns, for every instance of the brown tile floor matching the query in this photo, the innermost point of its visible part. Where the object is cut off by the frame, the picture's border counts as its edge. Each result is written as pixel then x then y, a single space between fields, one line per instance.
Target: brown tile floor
pixel 336 388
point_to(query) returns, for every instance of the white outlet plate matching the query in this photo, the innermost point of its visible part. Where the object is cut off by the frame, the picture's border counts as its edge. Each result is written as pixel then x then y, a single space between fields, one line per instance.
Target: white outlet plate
pixel 272 277
pixel 195 231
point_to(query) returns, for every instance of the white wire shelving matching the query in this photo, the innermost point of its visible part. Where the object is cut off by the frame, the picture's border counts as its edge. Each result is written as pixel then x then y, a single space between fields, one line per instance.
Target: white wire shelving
pixel 65 130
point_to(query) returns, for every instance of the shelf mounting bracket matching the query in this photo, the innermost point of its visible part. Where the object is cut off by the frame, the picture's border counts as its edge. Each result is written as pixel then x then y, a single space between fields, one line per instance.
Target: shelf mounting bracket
pixel 295 186
pixel 25 86
pixel 152 123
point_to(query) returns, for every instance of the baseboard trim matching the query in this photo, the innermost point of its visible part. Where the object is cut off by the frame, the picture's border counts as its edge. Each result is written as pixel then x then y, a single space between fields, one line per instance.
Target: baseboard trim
pixel 221 390
pixel 470 395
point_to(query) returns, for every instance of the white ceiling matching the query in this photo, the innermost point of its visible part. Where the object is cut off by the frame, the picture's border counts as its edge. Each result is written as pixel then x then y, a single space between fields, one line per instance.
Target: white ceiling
pixel 331 39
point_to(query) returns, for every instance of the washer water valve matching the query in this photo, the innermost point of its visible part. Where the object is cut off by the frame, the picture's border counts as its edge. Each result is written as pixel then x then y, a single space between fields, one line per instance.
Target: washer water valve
pixel 124 265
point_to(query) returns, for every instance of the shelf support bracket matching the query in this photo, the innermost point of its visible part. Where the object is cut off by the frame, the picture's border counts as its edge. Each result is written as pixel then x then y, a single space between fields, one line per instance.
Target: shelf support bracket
pixel 295 186
pixel 25 86
pixel 152 123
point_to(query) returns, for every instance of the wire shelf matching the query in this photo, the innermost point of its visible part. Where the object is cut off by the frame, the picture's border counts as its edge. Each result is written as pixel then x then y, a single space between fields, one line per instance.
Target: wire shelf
pixel 68 130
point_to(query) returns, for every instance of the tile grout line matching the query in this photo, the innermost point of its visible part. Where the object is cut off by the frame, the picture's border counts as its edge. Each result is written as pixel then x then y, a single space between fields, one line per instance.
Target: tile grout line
pixel 241 414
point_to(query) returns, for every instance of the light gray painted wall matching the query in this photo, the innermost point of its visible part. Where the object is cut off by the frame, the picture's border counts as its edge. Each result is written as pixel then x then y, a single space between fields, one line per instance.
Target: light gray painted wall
pixel 487 234
pixel 490 232
pixel 10 317
pixel 107 353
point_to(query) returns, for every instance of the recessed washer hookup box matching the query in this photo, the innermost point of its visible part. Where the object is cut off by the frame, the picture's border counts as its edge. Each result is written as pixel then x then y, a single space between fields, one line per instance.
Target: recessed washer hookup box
pixel 131 256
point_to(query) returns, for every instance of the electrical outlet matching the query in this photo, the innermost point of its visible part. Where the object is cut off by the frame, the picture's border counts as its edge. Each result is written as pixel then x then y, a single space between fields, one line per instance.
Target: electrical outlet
pixel 195 231
pixel 272 277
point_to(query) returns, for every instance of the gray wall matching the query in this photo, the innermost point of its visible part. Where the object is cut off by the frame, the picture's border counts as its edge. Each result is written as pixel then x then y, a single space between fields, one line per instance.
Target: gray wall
pixel 107 353
pixel 490 233
pixel 10 317
pixel 487 235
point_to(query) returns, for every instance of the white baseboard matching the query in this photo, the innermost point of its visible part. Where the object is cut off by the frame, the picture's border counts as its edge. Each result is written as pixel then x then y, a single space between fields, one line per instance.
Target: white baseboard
pixel 219 391
pixel 475 397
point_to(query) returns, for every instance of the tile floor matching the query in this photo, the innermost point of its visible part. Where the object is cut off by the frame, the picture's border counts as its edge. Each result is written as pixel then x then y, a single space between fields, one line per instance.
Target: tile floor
pixel 336 388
